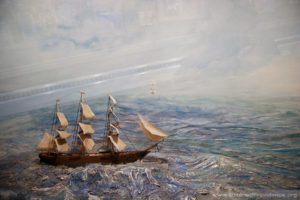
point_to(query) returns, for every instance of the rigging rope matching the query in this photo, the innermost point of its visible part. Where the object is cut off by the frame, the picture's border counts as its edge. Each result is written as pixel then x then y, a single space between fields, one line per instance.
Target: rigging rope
pixel 134 114
pixel 53 125
pixel 128 138
pixel 74 138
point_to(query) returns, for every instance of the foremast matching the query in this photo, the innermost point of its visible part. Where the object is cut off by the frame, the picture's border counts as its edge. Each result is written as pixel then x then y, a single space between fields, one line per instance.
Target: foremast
pixel 111 132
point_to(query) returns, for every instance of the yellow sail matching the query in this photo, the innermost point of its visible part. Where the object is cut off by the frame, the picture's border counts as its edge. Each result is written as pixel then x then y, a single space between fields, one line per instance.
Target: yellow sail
pixel 147 133
pixel 150 130
pixel 116 132
pixel 117 142
pixel 61 145
pixel 47 143
pixel 62 119
pixel 63 134
pixel 87 112
pixel 86 128
pixel 87 141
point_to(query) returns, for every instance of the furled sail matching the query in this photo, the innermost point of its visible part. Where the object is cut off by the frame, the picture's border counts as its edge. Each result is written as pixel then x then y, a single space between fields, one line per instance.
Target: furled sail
pixel 47 143
pixel 61 145
pixel 86 128
pixel 87 112
pixel 62 119
pixel 113 100
pixel 150 130
pixel 63 134
pixel 117 142
pixel 87 141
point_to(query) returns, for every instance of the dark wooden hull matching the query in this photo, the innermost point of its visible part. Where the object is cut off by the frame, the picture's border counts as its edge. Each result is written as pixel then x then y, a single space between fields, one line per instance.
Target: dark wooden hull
pixel 105 157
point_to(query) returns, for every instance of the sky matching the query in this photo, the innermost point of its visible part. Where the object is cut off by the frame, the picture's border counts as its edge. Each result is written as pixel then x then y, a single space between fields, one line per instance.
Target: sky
pixel 228 47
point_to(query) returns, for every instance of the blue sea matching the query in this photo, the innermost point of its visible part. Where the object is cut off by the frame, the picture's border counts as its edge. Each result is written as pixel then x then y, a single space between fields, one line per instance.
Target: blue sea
pixel 219 148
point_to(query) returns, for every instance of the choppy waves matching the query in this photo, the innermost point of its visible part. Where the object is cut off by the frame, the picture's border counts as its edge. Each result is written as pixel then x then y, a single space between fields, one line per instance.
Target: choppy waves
pixel 217 147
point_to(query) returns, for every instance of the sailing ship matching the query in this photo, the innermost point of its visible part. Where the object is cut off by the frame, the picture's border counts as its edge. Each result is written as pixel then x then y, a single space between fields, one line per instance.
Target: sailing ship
pixel 55 149
pixel 152 89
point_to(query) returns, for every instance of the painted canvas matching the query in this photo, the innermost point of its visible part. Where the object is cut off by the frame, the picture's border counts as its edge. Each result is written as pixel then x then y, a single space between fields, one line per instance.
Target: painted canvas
pixel 220 78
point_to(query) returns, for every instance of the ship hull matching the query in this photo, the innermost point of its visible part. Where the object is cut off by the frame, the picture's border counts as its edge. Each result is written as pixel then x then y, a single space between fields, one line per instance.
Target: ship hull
pixel 100 157
pixel 79 158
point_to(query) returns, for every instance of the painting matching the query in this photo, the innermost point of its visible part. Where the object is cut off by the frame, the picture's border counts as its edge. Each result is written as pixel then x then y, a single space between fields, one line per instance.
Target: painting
pixel 211 86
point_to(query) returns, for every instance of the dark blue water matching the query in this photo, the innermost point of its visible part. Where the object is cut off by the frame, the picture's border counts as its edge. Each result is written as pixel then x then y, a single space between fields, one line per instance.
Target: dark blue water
pixel 220 147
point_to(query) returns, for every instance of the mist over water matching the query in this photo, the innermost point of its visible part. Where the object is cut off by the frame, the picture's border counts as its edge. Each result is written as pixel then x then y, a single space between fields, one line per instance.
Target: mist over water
pixel 219 146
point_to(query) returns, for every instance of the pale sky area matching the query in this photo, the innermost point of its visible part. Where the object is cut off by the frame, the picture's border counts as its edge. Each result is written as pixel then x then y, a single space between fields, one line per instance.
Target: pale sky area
pixel 229 47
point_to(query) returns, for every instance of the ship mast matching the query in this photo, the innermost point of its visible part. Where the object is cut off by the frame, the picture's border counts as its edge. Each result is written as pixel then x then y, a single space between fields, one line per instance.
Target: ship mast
pixel 82 139
pixel 52 140
pixel 108 128
pixel 111 132
pixel 54 120
pixel 75 139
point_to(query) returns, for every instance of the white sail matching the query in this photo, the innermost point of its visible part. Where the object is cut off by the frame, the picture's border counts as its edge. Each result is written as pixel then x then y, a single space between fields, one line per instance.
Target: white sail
pixel 113 100
pixel 86 128
pixel 87 112
pixel 150 130
pixel 62 119
pixel 63 134
pixel 47 143
pixel 87 141
pixel 61 145
pixel 147 133
pixel 117 142
pixel 152 88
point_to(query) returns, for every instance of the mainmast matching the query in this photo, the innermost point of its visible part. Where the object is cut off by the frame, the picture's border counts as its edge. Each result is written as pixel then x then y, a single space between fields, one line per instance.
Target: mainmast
pixel 82 139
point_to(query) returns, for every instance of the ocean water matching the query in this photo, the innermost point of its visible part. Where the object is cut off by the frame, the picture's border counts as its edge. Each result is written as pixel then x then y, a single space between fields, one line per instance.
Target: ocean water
pixel 219 147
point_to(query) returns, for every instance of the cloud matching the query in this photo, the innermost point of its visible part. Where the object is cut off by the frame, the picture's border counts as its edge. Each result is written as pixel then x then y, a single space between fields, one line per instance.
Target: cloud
pixel 280 77
pixel 228 46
